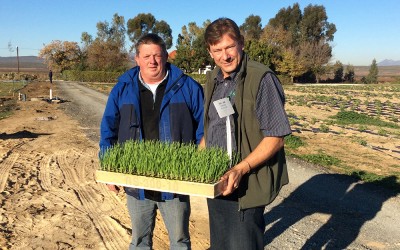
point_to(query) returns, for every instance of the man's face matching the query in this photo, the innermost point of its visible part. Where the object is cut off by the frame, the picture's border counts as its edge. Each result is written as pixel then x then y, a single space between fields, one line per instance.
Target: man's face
pixel 151 60
pixel 227 54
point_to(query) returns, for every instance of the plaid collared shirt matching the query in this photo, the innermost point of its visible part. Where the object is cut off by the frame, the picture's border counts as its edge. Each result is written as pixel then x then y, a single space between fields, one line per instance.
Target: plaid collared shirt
pixel 269 111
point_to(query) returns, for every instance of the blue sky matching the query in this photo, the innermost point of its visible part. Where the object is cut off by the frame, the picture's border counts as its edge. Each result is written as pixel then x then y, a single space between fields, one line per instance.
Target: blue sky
pixel 366 30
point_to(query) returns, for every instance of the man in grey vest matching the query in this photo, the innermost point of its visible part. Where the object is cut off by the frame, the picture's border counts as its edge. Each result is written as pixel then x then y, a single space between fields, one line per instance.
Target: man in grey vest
pixel 248 96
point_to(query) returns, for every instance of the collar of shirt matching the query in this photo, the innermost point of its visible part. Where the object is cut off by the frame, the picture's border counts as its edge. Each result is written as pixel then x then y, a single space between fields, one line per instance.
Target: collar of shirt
pixel 227 86
pixel 147 85
pixel 220 78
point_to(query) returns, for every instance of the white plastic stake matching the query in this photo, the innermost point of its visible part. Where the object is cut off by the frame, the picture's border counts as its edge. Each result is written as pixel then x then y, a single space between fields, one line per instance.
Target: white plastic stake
pixel 228 137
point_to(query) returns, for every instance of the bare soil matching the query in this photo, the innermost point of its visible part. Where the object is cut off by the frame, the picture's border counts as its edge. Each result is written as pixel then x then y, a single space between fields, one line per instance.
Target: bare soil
pixel 49 198
pixel 48 195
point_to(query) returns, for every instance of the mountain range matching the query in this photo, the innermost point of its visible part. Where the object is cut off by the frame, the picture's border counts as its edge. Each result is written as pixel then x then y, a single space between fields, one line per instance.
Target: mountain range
pixel 388 62
pixel 36 62
pixel 24 62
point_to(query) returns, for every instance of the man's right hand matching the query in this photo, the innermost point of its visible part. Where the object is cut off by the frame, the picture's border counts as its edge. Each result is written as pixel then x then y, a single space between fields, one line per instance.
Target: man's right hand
pixel 113 188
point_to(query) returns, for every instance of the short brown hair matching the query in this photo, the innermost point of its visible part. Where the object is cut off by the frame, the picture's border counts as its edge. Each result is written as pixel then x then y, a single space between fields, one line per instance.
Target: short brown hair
pixel 217 29
pixel 151 38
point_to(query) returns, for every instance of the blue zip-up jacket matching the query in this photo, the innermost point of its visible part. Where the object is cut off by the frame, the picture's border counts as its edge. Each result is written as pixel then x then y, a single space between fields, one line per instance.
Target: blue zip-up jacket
pixel 181 114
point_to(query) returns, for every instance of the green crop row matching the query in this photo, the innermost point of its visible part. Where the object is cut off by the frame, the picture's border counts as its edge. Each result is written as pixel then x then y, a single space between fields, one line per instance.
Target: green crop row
pixel 351 117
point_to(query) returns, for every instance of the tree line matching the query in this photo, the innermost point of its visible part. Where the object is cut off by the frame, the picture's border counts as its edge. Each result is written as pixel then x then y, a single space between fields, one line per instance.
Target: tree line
pixel 295 43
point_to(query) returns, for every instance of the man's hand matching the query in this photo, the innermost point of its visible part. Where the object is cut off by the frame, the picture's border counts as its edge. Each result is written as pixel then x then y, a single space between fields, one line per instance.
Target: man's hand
pixel 233 176
pixel 113 188
pixel 264 150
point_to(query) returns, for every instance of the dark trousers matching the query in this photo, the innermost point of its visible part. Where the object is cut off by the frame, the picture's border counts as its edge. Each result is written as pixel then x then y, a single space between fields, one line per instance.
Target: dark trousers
pixel 231 229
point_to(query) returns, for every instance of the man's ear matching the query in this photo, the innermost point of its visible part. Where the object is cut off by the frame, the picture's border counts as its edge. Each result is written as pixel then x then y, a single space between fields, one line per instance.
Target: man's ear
pixel 210 53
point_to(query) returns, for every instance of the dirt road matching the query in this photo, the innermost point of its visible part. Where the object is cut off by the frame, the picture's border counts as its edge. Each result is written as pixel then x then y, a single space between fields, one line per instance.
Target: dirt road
pixel 50 200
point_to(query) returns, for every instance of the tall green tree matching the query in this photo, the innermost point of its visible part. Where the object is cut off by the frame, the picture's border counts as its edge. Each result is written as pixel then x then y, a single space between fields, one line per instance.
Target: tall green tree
pixel 314 26
pixel 146 23
pixel 251 28
pixel 114 32
pixel 306 35
pixel 338 71
pixel 372 76
pixel 107 51
pixel 259 51
pixel 349 74
pixel 191 49
pixel 86 40
pixel 288 21
pixel 291 64
pixel 184 51
pixel 163 29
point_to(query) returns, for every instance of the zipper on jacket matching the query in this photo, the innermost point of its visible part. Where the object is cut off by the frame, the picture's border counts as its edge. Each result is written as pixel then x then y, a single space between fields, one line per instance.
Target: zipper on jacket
pixel 154 98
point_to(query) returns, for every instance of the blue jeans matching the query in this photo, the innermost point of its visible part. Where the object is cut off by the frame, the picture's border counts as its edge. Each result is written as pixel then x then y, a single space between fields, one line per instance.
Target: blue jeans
pixel 175 214
pixel 235 230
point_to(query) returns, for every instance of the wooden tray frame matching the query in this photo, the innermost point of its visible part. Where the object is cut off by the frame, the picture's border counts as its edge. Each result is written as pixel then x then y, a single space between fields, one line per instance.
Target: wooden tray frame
pixel 158 184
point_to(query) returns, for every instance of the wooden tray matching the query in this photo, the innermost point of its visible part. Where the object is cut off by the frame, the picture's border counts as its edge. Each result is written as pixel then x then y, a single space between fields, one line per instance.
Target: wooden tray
pixel 158 184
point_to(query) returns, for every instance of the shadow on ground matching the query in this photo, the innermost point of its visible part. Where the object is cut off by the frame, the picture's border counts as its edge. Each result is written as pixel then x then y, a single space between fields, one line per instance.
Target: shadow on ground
pixel 349 203
pixel 20 135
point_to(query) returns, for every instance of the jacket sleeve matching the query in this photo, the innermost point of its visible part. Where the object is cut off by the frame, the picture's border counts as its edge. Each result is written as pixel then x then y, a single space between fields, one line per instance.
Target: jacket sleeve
pixel 110 122
pixel 198 110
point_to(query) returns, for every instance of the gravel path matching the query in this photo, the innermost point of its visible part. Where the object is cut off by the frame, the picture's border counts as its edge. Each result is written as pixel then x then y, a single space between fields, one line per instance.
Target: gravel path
pixel 317 210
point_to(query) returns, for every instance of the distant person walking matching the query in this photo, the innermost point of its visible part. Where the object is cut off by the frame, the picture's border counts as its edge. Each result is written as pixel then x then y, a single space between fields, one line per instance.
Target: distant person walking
pixel 51 76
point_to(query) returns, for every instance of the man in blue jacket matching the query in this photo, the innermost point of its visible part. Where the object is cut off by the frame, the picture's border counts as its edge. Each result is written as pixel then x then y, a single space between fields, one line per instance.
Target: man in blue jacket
pixel 154 101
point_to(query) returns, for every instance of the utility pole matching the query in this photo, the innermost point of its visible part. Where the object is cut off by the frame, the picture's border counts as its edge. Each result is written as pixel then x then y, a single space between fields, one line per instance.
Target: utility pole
pixel 18 60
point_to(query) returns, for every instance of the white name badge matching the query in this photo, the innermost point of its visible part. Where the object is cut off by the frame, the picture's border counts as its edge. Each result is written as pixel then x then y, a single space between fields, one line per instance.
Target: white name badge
pixel 224 107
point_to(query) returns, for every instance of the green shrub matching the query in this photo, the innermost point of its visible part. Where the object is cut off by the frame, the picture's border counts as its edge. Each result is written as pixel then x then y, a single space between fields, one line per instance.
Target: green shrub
pixel 313 120
pixel 285 80
pixel 90 76
pixel 200 78
pixel 322 159
pixel 351 117
pixel 324 128
pixel 362 142
pixel 293 142
pixel 362 128
pixel 382 132
pixel 392 182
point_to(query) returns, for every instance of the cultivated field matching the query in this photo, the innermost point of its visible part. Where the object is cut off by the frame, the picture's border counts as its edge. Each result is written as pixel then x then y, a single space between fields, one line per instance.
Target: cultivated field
pixel 351 129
